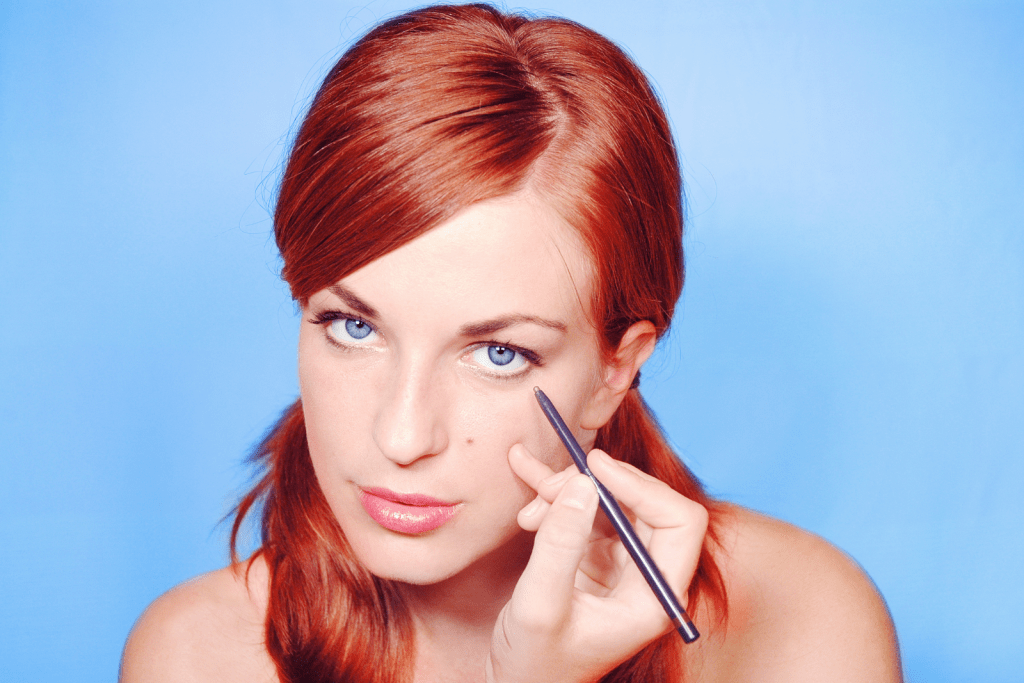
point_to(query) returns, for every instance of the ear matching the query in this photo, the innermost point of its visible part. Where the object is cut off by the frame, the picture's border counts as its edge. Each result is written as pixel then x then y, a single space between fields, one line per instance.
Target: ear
pixel 636 346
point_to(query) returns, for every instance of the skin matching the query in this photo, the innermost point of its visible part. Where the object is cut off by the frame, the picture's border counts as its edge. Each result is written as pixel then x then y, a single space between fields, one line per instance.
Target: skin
pixel 524 582
pixel 441 417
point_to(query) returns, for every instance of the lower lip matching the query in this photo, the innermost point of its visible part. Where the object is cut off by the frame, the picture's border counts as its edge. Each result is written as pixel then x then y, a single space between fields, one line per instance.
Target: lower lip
pixel 405 519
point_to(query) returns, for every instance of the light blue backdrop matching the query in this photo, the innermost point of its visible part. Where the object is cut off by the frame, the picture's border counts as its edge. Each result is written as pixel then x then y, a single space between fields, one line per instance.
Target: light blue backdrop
pixel 848 354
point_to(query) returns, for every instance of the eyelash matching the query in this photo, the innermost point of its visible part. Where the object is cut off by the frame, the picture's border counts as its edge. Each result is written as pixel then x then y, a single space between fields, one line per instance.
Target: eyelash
pixel 534 359
pixel 325 318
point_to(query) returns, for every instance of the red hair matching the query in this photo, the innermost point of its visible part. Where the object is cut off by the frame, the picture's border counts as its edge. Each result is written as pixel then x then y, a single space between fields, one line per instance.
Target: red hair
pixel 428 113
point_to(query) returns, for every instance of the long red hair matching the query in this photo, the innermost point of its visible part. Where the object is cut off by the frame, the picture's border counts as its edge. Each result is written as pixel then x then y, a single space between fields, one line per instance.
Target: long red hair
pixel 428 113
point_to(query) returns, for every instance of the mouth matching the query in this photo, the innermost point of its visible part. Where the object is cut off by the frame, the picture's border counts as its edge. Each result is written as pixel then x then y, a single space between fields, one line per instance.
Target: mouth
pixel 406 513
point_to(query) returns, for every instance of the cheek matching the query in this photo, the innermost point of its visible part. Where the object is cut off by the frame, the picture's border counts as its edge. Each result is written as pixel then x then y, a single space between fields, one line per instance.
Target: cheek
pixel 492 423
pixel 485 425
pixel 335 411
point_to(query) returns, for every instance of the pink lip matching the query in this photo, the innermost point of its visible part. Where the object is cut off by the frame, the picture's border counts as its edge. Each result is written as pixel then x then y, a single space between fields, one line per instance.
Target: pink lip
pixel 406 513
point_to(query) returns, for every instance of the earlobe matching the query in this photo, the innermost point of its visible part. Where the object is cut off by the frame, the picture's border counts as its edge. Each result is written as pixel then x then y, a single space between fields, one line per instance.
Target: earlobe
pixel 636 347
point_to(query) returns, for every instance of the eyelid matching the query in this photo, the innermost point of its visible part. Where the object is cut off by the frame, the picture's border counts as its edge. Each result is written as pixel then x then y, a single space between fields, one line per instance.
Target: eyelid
pixel 330 315
pixel 325 318
pixel 531 357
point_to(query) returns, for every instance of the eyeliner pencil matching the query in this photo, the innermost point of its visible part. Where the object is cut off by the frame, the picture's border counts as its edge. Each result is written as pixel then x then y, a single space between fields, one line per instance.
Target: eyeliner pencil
pixel 636 549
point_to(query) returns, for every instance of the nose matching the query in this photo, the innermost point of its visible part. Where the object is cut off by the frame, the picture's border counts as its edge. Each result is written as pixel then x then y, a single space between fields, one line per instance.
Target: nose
pixel 410 423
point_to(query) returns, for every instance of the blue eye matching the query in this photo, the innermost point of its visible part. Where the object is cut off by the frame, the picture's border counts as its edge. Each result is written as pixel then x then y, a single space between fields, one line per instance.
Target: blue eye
pixel 500 355
pixel 500 359
pixel 349 330
pixel 357 328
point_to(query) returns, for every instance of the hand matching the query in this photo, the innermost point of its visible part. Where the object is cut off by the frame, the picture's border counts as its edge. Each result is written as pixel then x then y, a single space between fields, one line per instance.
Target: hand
pixel 581 606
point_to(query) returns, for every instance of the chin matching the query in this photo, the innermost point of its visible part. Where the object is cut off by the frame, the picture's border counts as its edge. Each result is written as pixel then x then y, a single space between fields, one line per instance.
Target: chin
pixel 420 576
pixel 429 559
pixel 416 568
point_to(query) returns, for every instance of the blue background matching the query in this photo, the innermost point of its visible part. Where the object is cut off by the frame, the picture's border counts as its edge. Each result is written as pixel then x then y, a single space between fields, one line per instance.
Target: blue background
pixel 847 355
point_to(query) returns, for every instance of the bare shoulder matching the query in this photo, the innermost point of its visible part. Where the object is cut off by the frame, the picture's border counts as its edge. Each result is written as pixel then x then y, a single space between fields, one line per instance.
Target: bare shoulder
pixel 800 609
pixel 206 629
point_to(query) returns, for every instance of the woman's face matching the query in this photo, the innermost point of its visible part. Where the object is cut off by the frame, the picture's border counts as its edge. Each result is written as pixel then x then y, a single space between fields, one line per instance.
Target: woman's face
pixel 417 375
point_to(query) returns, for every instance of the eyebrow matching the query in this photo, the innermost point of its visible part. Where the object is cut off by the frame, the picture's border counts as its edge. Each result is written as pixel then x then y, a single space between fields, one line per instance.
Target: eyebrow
pixel 354 302
pixel 487 327
pixel 476 329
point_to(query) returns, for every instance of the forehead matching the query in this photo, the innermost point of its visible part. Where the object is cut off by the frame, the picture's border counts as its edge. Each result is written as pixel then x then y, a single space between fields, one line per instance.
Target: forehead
pixel 508 255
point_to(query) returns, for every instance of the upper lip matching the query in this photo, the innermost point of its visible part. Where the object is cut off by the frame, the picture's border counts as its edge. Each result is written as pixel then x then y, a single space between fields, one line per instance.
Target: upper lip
pixel 417 499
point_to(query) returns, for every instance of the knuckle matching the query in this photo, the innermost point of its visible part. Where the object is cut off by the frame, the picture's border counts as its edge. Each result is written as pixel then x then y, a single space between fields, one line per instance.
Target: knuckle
pixel 691 516
pixel 698 514
pixel 687 512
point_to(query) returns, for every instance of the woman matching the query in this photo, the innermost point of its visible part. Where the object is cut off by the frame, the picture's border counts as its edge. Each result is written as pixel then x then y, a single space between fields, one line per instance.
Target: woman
pixel 477 204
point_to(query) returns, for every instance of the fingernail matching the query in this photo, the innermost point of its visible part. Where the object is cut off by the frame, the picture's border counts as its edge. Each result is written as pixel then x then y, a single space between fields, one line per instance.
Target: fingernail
pixel 601 455
pixel 531 509
pixel 579 494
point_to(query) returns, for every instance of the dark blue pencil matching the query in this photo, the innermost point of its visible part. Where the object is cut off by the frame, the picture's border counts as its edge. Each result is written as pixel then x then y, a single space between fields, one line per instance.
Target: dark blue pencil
pixel 636 549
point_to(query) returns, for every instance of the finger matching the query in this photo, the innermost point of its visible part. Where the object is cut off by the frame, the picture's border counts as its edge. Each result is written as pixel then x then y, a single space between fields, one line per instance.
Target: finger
pixel 531 516
pixel 526 467
pixel 677 523
pixel 651 500
pixel 543 595
pixel 539 477
pixel 536 474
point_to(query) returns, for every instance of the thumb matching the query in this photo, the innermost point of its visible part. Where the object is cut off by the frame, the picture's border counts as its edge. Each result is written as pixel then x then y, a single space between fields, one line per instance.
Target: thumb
pixel 543 596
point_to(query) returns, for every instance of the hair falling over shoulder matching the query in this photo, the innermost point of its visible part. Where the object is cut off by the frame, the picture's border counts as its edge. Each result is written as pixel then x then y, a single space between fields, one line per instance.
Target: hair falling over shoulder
pixel 328 619
pixel 428 113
